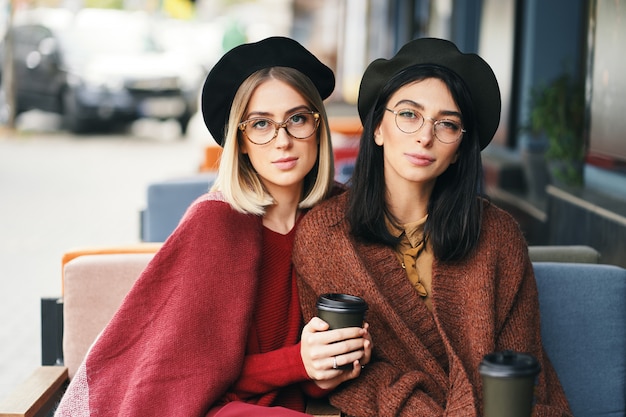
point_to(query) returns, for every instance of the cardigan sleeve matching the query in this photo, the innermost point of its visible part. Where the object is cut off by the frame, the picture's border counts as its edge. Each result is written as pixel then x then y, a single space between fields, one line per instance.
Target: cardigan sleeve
pixel 516 304
pixel 382 389
pixel 521 332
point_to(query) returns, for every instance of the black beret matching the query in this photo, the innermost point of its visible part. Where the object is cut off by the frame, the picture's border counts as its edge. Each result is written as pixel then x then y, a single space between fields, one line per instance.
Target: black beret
pixel 473 70
pixel 242 61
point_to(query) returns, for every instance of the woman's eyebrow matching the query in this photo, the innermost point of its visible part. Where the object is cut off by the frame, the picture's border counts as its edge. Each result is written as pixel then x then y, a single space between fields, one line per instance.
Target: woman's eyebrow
pixel 288 112
pixel 410 103
pixel 421 107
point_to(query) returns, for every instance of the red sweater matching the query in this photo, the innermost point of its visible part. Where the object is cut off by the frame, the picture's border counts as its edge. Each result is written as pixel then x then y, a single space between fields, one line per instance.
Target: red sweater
pixel 273 365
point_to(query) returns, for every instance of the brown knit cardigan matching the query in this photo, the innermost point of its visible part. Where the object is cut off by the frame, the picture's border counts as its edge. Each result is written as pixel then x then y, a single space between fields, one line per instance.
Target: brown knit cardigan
pixel 485 303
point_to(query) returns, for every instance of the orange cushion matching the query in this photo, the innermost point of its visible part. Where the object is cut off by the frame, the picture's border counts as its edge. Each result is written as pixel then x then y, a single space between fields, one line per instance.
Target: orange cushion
pixel 212 156
pixel 147 247
pixel 347 125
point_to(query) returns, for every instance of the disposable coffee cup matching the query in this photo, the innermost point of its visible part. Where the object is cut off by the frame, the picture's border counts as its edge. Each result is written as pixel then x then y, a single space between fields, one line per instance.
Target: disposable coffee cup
pixel 509 380
pixel 340 311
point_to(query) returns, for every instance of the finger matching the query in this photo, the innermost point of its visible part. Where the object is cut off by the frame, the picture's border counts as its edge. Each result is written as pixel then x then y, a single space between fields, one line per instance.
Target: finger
pixel 343 364
pixel 354 372
pixel 367 352
pixel 333 378
pixel 344 346
pixel 337 335
pixel 316 325
pixel 351 357
pixel 348 351
pixel 312 330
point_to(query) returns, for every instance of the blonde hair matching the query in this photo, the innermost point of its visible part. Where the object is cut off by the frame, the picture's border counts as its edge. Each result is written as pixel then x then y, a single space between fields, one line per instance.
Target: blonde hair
pixel 237 179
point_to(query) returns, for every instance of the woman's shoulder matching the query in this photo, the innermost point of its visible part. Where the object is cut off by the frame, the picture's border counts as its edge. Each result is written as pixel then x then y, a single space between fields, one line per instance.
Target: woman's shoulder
pixel 210 201
pixel 501 230
pixel 212 208
pixel 494 215
pixel 328 212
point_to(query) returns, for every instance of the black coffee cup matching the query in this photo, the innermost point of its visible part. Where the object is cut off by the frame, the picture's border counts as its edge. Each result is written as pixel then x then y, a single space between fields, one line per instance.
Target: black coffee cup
pixel 509 380
pixel 340 311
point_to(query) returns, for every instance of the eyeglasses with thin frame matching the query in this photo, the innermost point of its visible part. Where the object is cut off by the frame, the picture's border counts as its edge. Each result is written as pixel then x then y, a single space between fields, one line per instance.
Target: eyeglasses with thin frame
pixel 410 121
pixel 299 125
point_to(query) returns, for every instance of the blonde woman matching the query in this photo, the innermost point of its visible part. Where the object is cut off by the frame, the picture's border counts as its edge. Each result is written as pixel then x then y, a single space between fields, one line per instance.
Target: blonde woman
pixel 213 325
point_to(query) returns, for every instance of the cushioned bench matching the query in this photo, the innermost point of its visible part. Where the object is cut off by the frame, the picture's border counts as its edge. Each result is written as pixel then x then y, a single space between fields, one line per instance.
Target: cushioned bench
pixel 583 313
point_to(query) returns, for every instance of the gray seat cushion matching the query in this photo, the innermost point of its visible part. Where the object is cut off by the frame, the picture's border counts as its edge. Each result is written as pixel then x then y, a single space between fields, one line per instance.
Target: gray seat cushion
pixel 565 253
pixel 167 202
pixel 583 325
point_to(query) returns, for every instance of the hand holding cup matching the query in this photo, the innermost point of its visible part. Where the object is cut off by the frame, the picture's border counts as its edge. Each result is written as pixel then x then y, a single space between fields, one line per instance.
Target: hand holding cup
pixel 341 311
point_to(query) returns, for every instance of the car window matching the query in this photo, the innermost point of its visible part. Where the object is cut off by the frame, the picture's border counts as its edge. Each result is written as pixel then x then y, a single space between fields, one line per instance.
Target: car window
pixel 30 35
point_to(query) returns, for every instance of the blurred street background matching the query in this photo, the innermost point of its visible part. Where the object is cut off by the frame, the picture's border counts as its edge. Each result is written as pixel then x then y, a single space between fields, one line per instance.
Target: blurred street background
pixel 99 98
pixel 59 192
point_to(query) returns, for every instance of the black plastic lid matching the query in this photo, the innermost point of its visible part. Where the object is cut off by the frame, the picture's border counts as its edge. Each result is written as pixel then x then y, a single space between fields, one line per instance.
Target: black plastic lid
pixel 509 364
pixel 341 302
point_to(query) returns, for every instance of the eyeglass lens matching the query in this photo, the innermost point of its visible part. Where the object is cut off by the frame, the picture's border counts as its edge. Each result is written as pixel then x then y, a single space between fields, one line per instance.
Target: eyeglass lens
pixel 261 130
pixel 410 121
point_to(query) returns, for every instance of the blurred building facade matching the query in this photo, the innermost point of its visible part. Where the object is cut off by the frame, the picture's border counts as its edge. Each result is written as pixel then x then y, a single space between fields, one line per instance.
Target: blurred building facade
pixel 527 42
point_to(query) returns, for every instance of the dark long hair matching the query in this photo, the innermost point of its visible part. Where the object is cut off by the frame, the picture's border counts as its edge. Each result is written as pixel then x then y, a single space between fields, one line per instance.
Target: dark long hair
pixel 454 210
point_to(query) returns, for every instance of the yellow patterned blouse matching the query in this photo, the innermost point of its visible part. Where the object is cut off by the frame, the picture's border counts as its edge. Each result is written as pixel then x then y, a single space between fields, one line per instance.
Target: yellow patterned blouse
pixel 415 257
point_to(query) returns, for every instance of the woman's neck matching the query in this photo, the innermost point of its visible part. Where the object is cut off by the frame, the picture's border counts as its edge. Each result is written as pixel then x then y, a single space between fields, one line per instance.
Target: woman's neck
pixel 280 219
pixel 408 202
pixel 281 216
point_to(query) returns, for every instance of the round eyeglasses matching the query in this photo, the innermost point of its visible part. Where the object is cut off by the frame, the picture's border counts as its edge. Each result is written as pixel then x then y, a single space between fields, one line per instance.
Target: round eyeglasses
pixel 261 130
pixel 410 121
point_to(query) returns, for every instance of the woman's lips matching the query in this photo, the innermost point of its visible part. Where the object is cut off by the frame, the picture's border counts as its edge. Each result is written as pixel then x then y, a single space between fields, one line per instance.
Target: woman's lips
pixel 285 163
pixel 419 160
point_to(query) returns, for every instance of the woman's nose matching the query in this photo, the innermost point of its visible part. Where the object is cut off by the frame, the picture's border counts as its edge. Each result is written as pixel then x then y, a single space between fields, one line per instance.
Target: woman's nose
pixel 426 133
pixel 283 140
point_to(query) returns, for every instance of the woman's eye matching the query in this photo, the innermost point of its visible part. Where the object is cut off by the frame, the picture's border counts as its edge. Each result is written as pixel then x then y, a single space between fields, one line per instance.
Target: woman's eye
pixel 450 125
pixel 298 118
pixel 409 114
pixel 260 124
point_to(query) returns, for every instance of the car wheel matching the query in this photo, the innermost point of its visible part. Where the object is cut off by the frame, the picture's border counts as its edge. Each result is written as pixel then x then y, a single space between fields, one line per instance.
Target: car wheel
pixel 71 113
pixel 184 123
pixel 4 107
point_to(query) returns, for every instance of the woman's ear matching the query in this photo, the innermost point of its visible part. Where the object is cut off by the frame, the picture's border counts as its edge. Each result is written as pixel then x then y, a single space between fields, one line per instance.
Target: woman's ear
pixel 243 145
pixel 378 136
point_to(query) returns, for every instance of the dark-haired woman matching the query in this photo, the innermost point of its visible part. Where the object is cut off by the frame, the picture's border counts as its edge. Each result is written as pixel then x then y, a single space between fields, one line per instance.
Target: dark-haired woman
pixel 446 274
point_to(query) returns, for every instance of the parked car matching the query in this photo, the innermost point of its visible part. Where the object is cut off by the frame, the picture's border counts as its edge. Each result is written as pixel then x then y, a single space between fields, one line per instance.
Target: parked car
pixel 99 66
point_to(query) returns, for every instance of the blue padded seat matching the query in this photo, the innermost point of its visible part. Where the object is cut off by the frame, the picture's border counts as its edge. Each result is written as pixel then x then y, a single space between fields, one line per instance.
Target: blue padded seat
pixel 167 201
pixel 583 326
